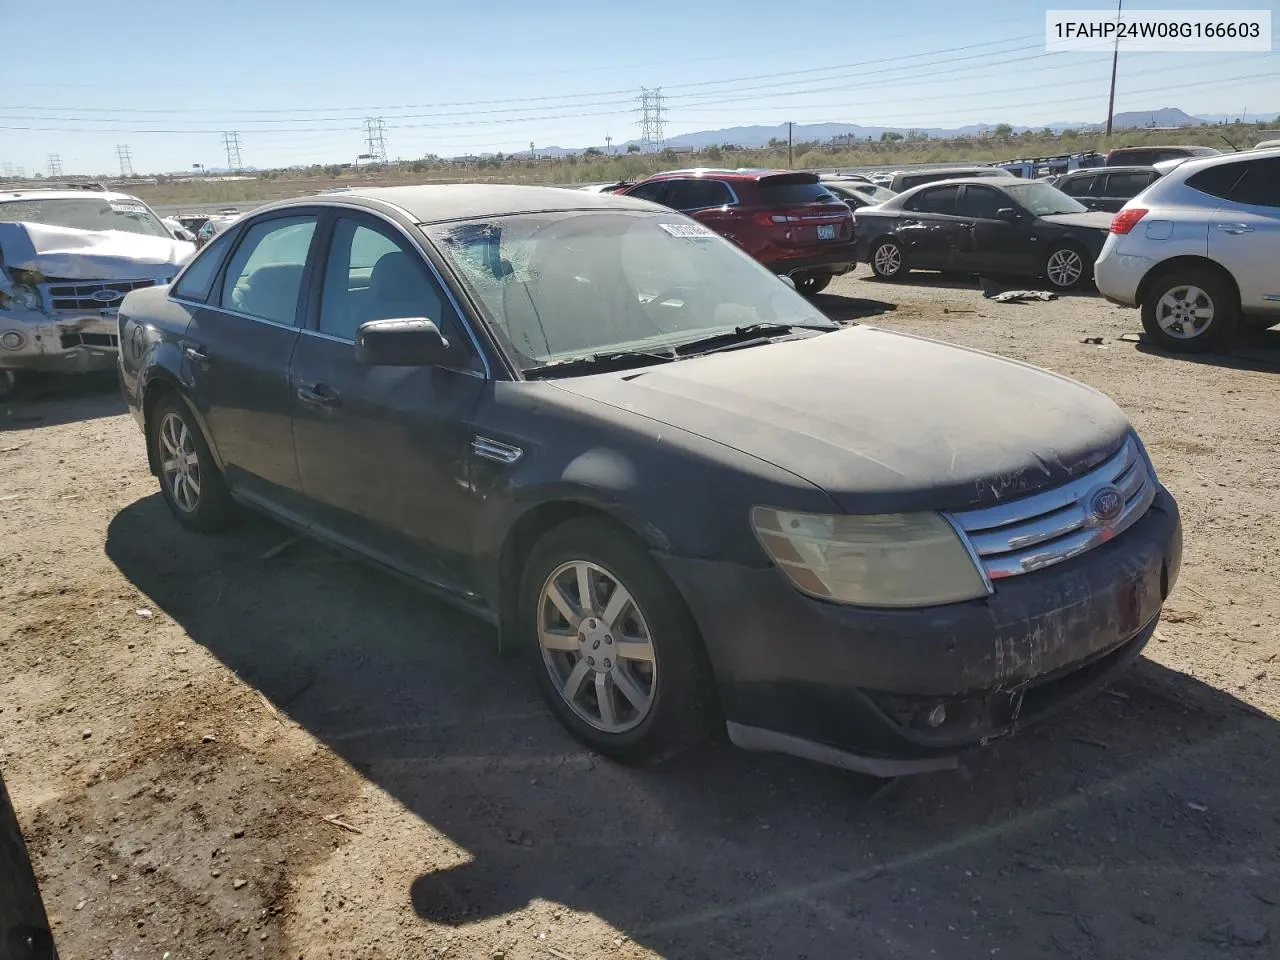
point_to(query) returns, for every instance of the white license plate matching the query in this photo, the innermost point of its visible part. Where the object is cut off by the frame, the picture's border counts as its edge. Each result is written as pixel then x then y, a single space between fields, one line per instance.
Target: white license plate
pixel 827 232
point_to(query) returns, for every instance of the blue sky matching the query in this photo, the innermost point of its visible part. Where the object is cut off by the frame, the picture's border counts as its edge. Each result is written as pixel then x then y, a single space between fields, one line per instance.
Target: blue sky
pixel 297 80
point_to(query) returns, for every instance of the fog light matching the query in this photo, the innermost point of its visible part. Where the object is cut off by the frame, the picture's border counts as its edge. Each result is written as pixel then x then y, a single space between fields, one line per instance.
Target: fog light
pixel 12 340
pixel 937 716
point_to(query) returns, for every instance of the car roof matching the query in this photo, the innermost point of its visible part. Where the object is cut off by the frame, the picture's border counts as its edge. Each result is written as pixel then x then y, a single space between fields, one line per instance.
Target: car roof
pixel 435 203
pixel 741 174
pixel 38 194
pixel 1193 164
pixel 1119 168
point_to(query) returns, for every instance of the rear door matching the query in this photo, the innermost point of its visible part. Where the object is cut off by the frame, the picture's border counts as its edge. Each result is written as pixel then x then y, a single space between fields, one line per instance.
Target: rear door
pixel 932 233
pixel 236 357
pixel 384 453
pixel 707 200
pixel 996 245
pixel 1244 234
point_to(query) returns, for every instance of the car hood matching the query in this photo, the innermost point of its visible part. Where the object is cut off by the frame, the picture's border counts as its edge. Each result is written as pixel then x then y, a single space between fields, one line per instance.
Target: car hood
pixel 883 422
pixel 66 254
pixel 1095 219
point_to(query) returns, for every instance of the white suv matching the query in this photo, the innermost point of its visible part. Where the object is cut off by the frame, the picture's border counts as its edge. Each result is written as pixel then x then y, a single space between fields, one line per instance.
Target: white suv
pixel 1199 251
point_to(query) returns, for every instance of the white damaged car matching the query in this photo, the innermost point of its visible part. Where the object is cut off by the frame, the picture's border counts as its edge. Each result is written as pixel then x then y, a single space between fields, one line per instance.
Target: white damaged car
pixel 67 259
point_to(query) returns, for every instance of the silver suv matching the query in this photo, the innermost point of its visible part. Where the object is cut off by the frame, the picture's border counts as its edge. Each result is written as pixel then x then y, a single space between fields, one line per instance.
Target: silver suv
pixel 1198 250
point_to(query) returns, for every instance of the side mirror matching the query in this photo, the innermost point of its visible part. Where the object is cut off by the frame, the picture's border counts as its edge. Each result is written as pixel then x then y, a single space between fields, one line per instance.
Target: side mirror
pixel 787 280
pixel 411 342
pixel 1008 214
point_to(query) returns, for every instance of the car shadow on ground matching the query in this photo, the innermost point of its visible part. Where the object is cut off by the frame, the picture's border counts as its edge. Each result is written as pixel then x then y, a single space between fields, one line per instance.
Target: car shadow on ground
pixel 50 400
pixel 1254 350
pixel 842 309
pixel 964 281
pixel 1141 824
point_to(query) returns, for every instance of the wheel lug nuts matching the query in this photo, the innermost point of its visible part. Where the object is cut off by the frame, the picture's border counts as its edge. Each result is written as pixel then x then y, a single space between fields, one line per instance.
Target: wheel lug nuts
pixel 596 645
pixel 591 661
pixel 608 639
pixel 608 665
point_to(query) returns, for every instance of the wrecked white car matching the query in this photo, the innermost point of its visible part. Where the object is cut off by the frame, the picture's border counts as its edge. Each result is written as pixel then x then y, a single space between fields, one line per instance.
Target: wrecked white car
pixel 67 259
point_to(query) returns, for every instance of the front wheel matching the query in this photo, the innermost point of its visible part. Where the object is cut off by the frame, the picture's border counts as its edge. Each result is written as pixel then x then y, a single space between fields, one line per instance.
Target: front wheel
pixel 615 651
pixel 1066 267
pixel 810 284
pixel 1190 311
pixel 190 481
pixel 888 261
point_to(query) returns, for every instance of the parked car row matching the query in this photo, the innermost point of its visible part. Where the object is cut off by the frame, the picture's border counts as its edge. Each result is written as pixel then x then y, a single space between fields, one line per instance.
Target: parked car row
pixel 683 494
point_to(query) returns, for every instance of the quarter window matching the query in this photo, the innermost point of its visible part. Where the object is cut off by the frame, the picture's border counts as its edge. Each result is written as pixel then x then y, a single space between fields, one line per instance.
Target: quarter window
pixel 373 276
pixel 1260 186
pixel 1218 181
pixel 650 191
pixel 265 273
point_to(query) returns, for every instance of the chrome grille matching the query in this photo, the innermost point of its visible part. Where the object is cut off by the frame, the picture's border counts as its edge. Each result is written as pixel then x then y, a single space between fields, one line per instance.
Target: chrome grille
pixel 1046 528
pixel 89 294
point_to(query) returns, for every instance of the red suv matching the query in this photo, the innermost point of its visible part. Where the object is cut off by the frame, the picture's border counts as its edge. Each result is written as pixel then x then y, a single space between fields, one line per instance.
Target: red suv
pixel 788 221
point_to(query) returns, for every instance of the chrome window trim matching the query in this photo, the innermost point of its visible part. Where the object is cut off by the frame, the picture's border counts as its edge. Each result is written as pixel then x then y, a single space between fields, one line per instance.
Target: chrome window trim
pixel 235 313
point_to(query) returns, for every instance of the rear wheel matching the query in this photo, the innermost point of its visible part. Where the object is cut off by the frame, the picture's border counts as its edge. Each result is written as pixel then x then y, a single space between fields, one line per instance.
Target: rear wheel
pixel 888 261
pixel 615 651
pixel 190 481
pixel 810 284
pixel 1190 311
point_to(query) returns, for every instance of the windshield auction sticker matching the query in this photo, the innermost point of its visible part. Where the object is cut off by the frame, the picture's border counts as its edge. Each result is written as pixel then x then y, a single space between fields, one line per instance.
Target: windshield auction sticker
pixel 1190 31
pixel 688 231
pixel 123 206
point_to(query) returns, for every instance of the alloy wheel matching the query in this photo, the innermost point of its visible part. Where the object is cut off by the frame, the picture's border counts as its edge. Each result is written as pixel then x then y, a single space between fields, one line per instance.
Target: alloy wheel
pixel 1065 268
pixel 1184 312
pixel 888 259
pixel 179 462
pixel 596 646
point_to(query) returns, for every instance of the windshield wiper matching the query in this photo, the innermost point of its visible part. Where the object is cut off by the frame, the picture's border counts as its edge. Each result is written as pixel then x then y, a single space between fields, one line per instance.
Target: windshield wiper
pixel 594 362
pixel 747 332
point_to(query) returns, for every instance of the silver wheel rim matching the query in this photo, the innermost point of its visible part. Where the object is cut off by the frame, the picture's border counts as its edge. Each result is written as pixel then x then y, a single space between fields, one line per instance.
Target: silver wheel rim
pixel 179 462
pixel 1184 312
pixel 596 646
pixel 1065 268
pixel 888 259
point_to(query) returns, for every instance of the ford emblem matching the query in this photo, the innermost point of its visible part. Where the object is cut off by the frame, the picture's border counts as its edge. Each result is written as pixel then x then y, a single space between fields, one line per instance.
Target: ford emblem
pixel 107 296
pixel 1104 506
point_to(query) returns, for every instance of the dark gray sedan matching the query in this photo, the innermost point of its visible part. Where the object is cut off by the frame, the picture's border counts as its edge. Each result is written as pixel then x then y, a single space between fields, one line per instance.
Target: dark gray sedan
pixel 688 498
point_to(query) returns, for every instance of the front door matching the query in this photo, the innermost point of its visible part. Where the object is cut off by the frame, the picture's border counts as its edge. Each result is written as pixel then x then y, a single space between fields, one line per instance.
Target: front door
pixel 384 452
pixel 236 359
pixel 998 245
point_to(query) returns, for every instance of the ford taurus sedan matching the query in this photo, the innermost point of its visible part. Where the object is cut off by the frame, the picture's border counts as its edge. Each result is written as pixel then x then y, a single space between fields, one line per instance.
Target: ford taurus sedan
pixel 686 496
pixel 996 226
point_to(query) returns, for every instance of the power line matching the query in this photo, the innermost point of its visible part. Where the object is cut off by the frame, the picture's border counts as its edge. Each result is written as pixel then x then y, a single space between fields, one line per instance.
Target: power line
pixel 231 143
pixel 126 163
pixel 651 121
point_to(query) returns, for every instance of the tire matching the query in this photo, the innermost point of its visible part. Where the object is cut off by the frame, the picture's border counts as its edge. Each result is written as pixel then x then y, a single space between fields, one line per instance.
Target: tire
pixel 1190 311
pixel 657 706
pixel 199 500
pixel 811 284
pixel 8 383
pixel 1066 267
pixel 888 262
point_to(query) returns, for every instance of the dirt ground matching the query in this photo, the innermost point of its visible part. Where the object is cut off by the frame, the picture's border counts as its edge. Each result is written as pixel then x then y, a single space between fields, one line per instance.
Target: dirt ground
pixel 220 750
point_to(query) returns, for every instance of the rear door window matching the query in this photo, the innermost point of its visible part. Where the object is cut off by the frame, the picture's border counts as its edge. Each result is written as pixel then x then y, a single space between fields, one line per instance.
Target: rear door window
pixel 935 200
pixel 981 203
pixel 697 194
pixel 783 193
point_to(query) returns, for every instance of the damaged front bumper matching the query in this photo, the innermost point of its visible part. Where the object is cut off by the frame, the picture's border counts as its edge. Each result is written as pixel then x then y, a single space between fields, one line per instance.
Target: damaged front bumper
pixel 71 342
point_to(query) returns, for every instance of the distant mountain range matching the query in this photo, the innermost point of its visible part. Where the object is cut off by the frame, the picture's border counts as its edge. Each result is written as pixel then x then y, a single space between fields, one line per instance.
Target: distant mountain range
pixel 759 136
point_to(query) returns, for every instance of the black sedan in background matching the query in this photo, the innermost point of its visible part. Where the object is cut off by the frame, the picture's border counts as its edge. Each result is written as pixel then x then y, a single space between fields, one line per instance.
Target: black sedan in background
pixel 1106 188
pixel 996 227
pixel 684 494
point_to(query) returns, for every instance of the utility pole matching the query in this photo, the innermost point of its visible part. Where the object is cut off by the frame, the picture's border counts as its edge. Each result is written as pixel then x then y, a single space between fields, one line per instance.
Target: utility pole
pixel 790 158
pixel 1115 58
pixel 608 144
pixel 126 164
pixel 231 143
pixel 532 155
pixel 55 165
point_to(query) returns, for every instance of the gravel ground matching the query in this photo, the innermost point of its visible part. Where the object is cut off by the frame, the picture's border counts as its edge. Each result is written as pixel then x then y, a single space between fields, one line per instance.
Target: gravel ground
pixel 221 750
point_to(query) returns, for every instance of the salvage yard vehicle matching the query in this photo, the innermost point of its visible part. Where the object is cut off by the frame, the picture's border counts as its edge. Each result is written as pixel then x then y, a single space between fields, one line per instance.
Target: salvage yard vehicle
pixel 857 192
pixel 1108 188
pixel 67 258
pixel 1198 251
pixel 687 497
pixel 1146 156
pixel 788 221
pixel 901 180
pixel 998 227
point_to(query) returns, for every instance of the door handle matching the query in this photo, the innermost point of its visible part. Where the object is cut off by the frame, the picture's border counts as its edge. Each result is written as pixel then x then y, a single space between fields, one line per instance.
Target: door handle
pixel 908 223
pixel 319 395
pixel 1233 227
pixel 196 354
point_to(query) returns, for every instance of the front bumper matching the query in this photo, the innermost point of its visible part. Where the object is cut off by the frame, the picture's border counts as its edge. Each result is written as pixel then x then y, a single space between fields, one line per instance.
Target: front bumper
pixel 58 343
pixel 860 687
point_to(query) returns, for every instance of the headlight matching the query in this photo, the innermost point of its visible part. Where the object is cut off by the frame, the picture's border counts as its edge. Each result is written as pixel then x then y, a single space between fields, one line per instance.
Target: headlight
pixel 878 560
pixel 20 297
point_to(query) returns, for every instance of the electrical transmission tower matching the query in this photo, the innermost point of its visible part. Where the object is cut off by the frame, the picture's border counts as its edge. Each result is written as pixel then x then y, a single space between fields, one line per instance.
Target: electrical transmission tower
pixel 126 164
pixel 231 143
pixel 375 138
pixel 651 118
pixel 13 171
pixel 55 165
